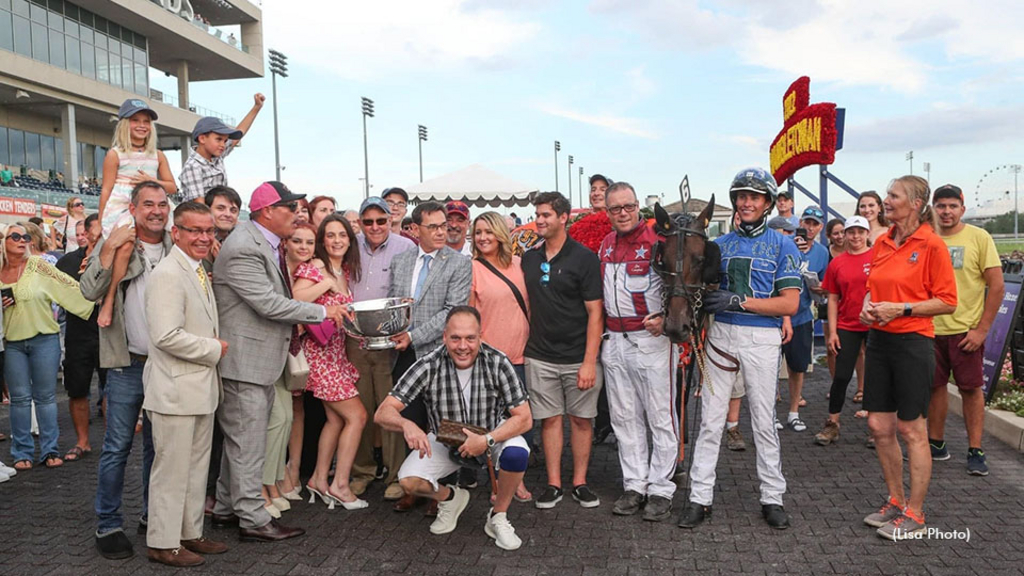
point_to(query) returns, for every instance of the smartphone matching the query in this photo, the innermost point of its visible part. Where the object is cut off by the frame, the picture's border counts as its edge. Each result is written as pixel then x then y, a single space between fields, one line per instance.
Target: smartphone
pixel 802 232
pixel 7 293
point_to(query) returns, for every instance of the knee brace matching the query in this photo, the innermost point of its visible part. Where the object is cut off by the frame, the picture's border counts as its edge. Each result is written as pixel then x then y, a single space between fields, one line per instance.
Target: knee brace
pixel 514 459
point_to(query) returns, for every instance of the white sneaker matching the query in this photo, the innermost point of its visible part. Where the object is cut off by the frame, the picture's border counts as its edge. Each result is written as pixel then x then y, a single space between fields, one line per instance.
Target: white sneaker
pixel 4 477
pixel 778 425
pixel 5 469
pixel 500 529
pixel 448 512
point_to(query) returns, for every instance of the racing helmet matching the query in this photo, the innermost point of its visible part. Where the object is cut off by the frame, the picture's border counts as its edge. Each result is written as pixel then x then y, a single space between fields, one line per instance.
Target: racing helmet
pixel 754 179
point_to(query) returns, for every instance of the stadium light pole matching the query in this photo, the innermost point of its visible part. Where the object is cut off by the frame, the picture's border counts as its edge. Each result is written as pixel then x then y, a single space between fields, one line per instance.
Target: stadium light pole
pixel 558 147
pixel 278 67
pixel 928 172
pixel 568 178
pixel 910 158
pixel 422 139
pixel 581 185
pixel 367 111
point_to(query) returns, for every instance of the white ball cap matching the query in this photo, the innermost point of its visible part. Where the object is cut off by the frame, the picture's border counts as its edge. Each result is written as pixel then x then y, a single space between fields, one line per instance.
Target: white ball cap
pixel 857 221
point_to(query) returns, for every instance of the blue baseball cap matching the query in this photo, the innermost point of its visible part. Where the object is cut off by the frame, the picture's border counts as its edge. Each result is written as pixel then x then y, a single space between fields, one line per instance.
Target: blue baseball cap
pixel 132 106
pixel 781 223
pixel 374 202
pixel 813 213
pixel 208 124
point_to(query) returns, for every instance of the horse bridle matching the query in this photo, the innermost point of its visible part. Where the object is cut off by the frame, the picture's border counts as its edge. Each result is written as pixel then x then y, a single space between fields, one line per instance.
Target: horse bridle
pixel 693 293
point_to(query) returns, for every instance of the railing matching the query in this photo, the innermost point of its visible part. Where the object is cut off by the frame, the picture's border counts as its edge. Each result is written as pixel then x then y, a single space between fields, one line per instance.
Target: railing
pixel 186 13
pixel 49 197
pixel 158 96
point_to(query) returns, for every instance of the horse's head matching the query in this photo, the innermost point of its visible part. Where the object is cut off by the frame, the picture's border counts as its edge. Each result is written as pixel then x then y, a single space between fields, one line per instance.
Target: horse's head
pixel 688 263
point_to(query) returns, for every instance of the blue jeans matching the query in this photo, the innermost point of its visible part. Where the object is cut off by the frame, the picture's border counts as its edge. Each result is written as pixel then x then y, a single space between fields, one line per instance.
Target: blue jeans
pixel 30 369
pixel 124 394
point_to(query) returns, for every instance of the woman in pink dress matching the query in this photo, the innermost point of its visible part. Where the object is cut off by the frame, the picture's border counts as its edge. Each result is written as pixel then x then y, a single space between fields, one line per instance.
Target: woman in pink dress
pixel 332 378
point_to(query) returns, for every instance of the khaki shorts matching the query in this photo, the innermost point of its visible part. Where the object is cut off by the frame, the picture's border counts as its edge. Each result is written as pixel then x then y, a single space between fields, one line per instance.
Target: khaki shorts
pixel 553 390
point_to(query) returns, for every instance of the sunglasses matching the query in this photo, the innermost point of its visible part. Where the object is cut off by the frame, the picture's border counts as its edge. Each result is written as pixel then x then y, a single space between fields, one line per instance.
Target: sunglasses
pixel 545 268
pixel 77 205
pixel 19 237
pixel 378 221
pixel 292 206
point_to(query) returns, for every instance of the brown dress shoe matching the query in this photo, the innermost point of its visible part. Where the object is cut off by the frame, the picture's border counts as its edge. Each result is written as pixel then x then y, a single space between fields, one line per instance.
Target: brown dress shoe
pixel 178 557
pixel 203 545
pixel 406 503
pixel 272 531
pixel 431 511
pixel 223 520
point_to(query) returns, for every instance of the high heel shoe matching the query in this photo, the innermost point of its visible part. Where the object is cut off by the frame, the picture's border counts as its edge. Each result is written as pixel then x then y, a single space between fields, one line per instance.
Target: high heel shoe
pixel 357 504
pixel 274 512
pixel 295 494
pixel 281 504
pixel 327 498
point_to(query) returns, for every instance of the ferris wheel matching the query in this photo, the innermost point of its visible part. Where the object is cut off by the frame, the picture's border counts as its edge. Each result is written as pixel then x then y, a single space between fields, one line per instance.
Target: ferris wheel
pixel 998 184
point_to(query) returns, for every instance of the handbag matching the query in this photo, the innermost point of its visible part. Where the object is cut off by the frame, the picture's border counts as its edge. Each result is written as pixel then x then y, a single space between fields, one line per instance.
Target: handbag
pixel 321 333
pixel 296 372
pixel 515 291
pixel 451 435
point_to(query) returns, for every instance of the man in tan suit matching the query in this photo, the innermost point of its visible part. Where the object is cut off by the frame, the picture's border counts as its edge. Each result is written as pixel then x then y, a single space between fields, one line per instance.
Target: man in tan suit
pixel 182 389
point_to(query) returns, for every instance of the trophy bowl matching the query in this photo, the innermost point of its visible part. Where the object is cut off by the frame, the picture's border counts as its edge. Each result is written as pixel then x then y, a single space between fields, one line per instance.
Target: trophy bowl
pixel 376 321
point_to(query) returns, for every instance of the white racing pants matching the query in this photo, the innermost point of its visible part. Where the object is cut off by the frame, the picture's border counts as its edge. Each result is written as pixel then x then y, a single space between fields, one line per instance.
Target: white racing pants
pixel 758 352
pixel 638 373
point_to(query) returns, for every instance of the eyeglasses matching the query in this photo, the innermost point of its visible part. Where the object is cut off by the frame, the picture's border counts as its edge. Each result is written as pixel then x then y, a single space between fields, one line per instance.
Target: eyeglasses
pixel 77 205
pixel 629 208
pixel 435 227
pixel 199 231
pixel 378 221
pixel 398 204
pixel 292 206
pixel 545 268
pixel 19 237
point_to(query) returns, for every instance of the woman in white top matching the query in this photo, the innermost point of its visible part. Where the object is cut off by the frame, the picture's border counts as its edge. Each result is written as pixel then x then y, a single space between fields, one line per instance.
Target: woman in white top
pixel 870 207
pixel 63 230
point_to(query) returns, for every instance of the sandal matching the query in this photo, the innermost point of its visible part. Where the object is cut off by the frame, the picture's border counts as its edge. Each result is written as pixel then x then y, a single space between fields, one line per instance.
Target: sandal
pixel 858 397
pixel 22 465
pixel 802 403
pixel 3 436
pixel 861 414
pixel 52 461
pixel 76 453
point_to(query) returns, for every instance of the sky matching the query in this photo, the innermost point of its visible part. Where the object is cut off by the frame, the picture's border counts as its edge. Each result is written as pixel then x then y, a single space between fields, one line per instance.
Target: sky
pixel 639 90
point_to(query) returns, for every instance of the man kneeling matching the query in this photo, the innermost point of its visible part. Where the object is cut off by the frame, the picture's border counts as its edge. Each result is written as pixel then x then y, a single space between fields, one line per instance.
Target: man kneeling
pixel 470 382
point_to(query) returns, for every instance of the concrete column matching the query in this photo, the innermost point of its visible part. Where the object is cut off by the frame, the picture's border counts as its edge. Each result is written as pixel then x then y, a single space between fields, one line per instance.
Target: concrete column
pixel 69 134
pixel 252 37
pixel 182 75
pixel 186 148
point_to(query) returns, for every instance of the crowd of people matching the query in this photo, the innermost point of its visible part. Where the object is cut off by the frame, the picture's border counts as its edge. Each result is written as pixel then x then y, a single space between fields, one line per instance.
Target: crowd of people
pixel 221 344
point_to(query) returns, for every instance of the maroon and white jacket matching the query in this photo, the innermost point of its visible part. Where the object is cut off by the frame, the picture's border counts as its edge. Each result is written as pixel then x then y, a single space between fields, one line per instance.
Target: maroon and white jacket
pixel 632 289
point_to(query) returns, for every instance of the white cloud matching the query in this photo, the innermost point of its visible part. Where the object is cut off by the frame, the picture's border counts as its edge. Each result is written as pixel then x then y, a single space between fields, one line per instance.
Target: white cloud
pixel 360 40
pixel 621 124
pixel 945 126
pixel 640 84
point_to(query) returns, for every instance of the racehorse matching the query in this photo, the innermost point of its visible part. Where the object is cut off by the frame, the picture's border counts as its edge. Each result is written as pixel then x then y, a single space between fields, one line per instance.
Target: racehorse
pixel 688 263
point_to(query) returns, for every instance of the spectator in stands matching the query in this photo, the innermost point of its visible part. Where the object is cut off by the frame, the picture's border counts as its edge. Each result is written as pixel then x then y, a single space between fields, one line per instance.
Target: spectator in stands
pixel 81 343
pixel 132 160
pixel 32 343
pixel 39 243
pixel 63 229
pixel 319 208
pixel 302 213
pixel 213 141
pixel 7 177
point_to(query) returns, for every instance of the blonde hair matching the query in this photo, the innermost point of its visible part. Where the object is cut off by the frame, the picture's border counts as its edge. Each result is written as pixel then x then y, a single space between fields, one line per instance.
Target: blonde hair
pixel 67 205
pixel 501 234
pixel 3 242
pixel 123 136
pixel 38 237
pixel 917 189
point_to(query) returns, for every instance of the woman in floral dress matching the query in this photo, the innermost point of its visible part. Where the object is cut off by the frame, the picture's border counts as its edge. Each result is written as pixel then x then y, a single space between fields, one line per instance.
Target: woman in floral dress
pixel 332 378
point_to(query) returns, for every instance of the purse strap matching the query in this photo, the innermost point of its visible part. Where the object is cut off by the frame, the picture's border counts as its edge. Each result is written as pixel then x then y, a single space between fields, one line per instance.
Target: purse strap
pixel 515 291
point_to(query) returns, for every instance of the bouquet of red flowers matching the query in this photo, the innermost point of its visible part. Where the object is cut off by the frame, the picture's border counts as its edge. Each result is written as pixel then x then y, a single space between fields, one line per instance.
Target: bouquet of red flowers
pixel 591 229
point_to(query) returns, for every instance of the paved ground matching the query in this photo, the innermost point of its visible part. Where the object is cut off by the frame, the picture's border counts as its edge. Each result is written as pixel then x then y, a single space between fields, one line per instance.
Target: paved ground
pixel 47 523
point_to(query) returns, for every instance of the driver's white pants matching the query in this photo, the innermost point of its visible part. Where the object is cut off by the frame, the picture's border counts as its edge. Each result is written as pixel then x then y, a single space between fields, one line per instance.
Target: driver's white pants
pixel 758 352
pixel 638 375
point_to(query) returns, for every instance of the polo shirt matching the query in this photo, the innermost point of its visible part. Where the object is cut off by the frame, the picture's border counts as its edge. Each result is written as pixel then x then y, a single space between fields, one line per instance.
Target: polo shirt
pixel 814 260
pixel 558 314
pixel 918 270
pixel 760 265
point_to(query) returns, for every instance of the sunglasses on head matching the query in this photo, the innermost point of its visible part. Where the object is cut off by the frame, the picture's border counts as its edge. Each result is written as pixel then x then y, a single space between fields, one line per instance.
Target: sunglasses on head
pixel 377 221
pixel 19 237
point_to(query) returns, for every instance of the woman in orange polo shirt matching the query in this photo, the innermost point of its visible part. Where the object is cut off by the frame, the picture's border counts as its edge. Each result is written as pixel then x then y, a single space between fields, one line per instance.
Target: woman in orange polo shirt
pixel 911 280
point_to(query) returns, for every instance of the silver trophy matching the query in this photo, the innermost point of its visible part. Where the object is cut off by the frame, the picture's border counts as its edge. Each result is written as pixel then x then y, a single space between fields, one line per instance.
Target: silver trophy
pixel 376 321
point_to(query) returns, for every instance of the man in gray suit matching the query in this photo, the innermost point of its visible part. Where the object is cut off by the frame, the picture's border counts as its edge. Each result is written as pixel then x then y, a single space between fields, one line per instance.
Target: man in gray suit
pixel 182 390
pixel 437 278
pixel 257 315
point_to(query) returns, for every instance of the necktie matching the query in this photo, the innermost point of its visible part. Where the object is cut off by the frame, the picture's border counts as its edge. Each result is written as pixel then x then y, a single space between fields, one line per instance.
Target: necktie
pixel 422 277
pixel 283 263
pixel 202 279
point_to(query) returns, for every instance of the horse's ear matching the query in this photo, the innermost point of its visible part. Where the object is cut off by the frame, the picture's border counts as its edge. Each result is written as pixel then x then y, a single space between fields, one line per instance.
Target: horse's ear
pixel 705 217
pixel 664 223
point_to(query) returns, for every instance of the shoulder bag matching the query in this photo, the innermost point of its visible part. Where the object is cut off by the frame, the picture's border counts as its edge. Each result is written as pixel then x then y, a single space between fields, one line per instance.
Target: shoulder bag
pixel 511 285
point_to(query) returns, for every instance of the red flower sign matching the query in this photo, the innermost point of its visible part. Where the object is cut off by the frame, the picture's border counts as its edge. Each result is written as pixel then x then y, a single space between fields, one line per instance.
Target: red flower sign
pixel 808 134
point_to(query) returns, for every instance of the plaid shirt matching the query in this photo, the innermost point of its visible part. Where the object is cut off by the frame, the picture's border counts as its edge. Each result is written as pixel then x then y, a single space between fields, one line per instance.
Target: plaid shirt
pixel 199 174
pixel 494 388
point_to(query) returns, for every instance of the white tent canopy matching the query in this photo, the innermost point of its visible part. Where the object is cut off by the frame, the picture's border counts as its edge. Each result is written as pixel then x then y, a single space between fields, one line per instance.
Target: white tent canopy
pixel 475 185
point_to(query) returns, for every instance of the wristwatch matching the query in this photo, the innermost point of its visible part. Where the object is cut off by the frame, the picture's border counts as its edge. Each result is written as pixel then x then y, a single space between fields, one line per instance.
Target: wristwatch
pixel 490 440
pixel 907 309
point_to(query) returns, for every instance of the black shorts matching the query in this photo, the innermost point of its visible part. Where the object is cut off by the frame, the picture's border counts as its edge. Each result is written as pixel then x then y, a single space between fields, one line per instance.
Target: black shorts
pixel 81 359
pixel 898 374
pixel 798 350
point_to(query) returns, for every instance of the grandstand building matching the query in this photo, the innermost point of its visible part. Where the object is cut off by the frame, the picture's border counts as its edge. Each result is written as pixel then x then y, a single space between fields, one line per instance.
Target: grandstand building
pixel 67 65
